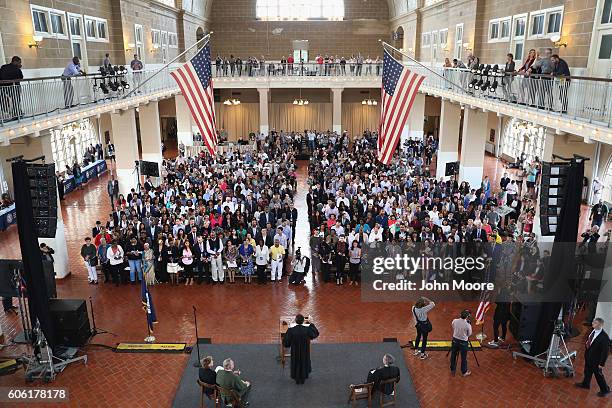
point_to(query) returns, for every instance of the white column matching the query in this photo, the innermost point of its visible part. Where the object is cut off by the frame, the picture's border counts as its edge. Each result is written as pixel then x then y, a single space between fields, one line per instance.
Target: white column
pixel 549 144
pixel 58 243
pixel 448 146
pixel 473 146
pixel 264 100
pixel 416 118
pixel 337 110
pixel 604 304
pixel 595 173
pixel 126 148
pixel 183 121
pixel 150 133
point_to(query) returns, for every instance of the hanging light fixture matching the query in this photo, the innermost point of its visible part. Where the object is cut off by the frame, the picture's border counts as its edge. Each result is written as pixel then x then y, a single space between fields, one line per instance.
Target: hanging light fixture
pixel 231 101
pixel 369 101
pixel 300 102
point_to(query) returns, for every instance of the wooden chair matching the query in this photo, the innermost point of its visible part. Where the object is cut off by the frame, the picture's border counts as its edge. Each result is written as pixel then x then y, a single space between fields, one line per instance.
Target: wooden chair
pixel 360 392
pixel 234 398
pixel 213 397
pixel 383 385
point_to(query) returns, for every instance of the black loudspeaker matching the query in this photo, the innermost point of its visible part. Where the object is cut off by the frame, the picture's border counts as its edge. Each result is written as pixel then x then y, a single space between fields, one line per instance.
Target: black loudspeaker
pixel 452 168
pixel 9 282
pixel 43 192
pixel 149 168
pixel 552 191
pixel 524 320
pixel 71 321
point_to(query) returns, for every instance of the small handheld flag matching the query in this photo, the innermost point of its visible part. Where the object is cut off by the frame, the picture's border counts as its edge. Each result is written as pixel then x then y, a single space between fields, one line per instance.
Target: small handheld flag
pixel 194 79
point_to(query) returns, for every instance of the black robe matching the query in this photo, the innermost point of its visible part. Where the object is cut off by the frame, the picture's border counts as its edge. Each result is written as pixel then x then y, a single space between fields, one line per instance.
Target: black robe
pixel 298 338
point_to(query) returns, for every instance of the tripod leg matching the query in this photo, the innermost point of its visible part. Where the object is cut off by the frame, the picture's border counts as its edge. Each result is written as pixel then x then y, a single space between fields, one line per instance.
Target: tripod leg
pixel 474 352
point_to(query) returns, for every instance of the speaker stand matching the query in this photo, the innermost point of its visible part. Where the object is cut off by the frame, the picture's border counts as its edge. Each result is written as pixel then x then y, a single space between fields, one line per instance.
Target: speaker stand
pixel 95 330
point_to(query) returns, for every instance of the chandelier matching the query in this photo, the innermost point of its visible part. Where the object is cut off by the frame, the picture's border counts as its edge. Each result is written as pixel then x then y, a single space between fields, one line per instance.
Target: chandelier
pixel 231 102
pixel 371 102
pixel 300 101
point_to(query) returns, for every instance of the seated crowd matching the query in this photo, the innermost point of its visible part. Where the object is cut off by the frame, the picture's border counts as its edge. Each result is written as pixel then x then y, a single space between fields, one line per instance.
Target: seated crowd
pixel 210 219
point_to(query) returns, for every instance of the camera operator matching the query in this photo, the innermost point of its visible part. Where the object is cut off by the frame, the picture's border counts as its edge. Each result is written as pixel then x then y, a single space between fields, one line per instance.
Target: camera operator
pixel 299 268
pixel 462 330
pixel 590 238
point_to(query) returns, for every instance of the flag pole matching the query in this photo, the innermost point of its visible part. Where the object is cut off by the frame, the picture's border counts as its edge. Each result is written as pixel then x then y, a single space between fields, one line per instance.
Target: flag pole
pixel 206 37
pixel 385 44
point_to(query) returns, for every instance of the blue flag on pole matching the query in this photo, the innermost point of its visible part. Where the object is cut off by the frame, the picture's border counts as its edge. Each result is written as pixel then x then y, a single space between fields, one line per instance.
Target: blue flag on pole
pixel 147 305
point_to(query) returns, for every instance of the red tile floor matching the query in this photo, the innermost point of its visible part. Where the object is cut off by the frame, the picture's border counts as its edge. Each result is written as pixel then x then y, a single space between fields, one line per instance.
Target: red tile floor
pixel 249 314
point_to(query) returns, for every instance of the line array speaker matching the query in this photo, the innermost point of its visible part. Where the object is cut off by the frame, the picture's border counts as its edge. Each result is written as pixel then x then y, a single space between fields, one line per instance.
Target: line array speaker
pixel 43 192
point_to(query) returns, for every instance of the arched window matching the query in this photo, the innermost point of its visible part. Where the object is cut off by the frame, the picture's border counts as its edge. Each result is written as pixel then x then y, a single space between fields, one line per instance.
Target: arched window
pixel 606 180
pixel 300 9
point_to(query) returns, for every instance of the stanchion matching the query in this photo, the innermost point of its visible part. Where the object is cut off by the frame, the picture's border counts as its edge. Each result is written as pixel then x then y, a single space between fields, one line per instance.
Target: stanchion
pixel 195 319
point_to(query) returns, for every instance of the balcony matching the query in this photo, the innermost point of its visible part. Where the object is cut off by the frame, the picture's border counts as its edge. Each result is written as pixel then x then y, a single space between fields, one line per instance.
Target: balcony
pixel 577 105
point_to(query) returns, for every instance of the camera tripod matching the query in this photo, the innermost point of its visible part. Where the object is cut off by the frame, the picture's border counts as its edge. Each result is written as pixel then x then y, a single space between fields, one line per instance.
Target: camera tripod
pixel 457 355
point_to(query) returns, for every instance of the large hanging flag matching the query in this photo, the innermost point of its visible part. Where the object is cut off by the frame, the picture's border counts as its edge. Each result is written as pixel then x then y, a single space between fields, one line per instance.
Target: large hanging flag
pixel 194 79
pixel 147 305
pixel 399 88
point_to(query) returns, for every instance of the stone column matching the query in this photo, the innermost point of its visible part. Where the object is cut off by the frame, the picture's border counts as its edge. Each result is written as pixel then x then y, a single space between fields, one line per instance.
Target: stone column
pixel 473 143
pixel 450 120
pixel 416 118
pixel 184 133
pixel 264 100
pixel 549 143
pixel 126 148
pixel 337 110
pixel 150 133
pixel 58 243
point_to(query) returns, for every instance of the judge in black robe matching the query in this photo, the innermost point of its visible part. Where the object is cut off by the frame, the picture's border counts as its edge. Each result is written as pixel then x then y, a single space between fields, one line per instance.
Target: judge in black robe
pixel 298 338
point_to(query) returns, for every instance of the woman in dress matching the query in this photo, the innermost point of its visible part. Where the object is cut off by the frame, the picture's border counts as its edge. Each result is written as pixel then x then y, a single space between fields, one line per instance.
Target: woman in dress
pixel 148 264
pixel 187 262
pixel 172 256
pixel 246 252
pixel 161 273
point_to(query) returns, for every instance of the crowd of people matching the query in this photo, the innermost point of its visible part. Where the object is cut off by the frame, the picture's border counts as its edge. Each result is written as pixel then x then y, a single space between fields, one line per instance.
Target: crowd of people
pixel 209 220
pixel 322 65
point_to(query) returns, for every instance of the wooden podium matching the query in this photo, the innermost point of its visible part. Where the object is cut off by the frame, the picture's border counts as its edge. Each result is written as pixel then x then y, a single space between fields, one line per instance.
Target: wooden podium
pixel 283 325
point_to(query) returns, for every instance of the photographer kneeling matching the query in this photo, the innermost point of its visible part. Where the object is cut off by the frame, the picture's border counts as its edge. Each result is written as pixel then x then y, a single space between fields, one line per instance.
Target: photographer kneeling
pixel 462 330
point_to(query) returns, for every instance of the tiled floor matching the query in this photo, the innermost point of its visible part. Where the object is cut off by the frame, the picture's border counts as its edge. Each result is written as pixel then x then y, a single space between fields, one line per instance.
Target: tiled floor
pixel 248 314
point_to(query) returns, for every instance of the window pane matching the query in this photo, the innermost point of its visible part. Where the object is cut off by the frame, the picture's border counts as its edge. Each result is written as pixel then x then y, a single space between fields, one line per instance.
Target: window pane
pixel 76 50
pixel 519 29
pixel 40 21
pixel 57 24
pixel 538 25
pixel 607 10
pixel 494 28
pixel 605 49
pixel 299 9
pixel 75 26
pixel 505 29
pixel 554 23
pixel 91 28
pixel 101 29
pixel 518 51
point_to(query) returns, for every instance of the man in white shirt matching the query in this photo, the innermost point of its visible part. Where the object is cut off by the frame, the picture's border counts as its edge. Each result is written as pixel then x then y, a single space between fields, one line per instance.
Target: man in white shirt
pixel 73 69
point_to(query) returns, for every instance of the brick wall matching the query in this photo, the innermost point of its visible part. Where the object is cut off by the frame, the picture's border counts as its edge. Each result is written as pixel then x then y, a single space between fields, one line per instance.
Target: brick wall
pixel 236 31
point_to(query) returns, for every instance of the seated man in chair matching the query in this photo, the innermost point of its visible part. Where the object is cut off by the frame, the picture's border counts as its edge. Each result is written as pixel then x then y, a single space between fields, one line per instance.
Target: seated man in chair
pixel 387 372
pixel 229 379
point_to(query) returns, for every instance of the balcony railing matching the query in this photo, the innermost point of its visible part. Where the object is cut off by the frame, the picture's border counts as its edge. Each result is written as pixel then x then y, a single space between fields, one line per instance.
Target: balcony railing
pixel 576 98
pixel 34 98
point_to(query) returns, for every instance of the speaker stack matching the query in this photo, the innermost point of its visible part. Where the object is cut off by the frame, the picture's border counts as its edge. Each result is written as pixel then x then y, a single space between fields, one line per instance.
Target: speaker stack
pixel 148 168
pixel 43 192
pixel 71 321
pixel 552 190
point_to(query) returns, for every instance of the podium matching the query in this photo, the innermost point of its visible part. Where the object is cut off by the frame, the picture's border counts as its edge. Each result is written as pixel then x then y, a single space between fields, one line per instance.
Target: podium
pixel 283 326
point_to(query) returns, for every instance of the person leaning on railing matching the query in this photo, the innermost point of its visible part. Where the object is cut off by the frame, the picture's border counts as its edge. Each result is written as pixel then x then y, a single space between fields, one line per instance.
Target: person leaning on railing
pixel 73 69
pixel 10 92
pixel 561 70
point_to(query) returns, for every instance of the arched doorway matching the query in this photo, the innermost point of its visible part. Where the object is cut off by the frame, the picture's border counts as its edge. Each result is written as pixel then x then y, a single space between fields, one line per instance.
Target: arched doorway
pixel 199 35
pixel 398 38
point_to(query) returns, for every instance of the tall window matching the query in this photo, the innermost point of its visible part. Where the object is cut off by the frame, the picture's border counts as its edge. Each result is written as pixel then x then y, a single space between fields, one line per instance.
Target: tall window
pixel 300 9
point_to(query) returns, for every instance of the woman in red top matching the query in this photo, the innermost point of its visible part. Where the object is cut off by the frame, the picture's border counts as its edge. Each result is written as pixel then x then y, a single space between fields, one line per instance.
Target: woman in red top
pixel 216 220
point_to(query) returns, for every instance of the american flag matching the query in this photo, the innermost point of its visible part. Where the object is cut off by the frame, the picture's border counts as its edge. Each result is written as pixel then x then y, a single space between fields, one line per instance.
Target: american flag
pixel 195 81
pixel 399 88
pixel 483 307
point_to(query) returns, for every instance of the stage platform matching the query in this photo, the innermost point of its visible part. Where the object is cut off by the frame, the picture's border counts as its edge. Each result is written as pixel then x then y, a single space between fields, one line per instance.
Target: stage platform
pixel 334 367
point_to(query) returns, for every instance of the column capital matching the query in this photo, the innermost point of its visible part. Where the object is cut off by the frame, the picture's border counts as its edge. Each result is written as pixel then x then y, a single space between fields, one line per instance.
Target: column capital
pixel 263 90
pixel 337 90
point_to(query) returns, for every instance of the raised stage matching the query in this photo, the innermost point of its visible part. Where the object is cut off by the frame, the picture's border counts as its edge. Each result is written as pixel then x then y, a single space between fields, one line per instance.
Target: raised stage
pixel 334 367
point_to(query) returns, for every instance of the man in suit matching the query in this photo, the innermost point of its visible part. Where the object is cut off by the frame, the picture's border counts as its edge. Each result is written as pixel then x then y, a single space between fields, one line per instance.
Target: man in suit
pixel 387 372
pixel 112 189
pixel 153 229
pixel 192 236
pixel 478 233
pixel 202 259
pixel 267 217
pixel 96 230
pixel 596 353
pixel 228 378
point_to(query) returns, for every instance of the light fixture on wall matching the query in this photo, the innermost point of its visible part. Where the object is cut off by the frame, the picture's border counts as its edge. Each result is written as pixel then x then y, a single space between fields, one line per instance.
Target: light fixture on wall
pixel 155 48
pixel 130 47
pixel 556 40
pixel 36 40
pixel 300 101
pixel 467 47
